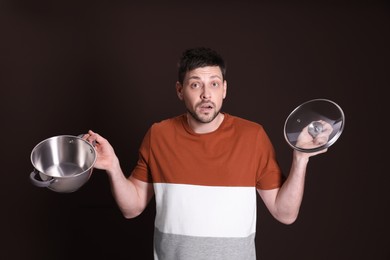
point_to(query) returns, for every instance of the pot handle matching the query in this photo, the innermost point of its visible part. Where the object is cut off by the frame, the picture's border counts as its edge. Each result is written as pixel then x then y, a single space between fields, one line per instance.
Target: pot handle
pixel 40 183
pixel 82 135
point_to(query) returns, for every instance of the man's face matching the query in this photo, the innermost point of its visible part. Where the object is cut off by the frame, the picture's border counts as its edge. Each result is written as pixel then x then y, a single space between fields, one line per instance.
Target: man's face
pixel 203 91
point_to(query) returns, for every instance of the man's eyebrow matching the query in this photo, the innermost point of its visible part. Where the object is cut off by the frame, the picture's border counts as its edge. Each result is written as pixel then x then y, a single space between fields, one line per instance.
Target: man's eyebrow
pixel 194 77
pixel 212 77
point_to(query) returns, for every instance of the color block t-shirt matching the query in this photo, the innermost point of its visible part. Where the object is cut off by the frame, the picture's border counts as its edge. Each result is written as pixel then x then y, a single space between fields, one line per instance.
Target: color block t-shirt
pixel 205 187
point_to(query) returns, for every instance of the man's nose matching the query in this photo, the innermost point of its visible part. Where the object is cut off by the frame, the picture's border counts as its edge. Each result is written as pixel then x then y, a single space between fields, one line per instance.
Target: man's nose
pixel 206 93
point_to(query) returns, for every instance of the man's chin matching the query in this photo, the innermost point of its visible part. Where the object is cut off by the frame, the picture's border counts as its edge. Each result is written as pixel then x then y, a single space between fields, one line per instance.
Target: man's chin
pixel 206 118
pixel 203 118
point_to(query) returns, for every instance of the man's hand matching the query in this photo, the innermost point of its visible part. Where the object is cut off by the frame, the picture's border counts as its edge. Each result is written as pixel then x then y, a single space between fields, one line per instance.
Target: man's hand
pixel 308 141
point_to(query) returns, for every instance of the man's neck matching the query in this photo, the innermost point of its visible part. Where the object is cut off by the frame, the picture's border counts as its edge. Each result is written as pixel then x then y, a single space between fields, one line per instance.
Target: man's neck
pixel 204 128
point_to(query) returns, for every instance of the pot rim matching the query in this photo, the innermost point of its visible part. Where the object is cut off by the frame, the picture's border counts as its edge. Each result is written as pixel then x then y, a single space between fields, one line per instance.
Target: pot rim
pixel 89 170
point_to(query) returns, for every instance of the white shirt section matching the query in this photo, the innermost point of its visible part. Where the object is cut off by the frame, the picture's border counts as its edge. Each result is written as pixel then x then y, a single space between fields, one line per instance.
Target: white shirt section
pixel 208 211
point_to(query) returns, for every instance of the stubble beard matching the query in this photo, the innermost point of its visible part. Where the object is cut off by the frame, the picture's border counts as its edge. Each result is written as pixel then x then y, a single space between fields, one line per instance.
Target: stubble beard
pixel 204 119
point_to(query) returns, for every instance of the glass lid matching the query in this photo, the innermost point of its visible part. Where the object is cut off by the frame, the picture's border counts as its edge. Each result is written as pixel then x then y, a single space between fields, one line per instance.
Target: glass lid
pixel 314 125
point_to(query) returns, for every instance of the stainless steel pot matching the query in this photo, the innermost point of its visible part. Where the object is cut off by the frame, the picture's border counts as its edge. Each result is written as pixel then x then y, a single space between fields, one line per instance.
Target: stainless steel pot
pixel 62 163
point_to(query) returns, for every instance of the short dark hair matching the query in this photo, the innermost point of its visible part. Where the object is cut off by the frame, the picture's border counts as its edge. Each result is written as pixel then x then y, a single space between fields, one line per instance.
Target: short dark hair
pixel 197 58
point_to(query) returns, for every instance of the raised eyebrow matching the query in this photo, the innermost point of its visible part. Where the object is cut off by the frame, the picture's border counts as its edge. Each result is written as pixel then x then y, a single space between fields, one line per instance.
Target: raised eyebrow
pixel 216 76
pixel 212 77
pixel 193 77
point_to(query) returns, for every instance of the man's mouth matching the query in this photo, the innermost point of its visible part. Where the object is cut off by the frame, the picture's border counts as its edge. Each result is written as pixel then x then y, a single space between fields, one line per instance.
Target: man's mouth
pixel 206 107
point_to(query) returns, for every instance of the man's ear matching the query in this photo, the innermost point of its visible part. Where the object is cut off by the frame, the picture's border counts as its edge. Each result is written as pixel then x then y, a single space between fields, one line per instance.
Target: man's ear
pixel 224 89
pixel 179 90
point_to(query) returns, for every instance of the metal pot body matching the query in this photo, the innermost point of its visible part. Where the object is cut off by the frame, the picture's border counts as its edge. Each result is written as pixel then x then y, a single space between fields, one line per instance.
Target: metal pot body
pixel 62 163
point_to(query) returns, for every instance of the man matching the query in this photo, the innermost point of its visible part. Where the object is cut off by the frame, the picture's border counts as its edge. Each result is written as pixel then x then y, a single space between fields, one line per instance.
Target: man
pixel 204 168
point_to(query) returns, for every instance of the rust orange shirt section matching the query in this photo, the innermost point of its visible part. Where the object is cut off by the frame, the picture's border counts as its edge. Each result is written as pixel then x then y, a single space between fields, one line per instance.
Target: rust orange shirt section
pixel 238 153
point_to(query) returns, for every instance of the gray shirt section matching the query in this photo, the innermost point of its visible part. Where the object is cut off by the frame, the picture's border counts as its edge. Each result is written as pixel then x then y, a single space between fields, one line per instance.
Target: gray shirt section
pixel 180 247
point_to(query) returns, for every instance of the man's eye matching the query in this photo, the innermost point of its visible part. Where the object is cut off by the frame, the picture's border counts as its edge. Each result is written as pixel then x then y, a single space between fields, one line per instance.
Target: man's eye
pixel 215 84
pixel 195 85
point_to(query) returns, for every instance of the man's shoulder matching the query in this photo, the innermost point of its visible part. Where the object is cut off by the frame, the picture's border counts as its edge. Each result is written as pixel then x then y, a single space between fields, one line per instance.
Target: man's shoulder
pixel 242 122
pixel 168 123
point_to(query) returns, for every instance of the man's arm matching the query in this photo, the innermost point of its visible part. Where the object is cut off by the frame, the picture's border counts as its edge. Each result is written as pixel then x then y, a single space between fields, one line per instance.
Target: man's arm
pixel 131 195
pixel 284 202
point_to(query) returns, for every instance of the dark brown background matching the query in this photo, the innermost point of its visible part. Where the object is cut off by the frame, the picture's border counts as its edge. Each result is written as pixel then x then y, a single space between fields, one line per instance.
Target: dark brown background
pixel 110 66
